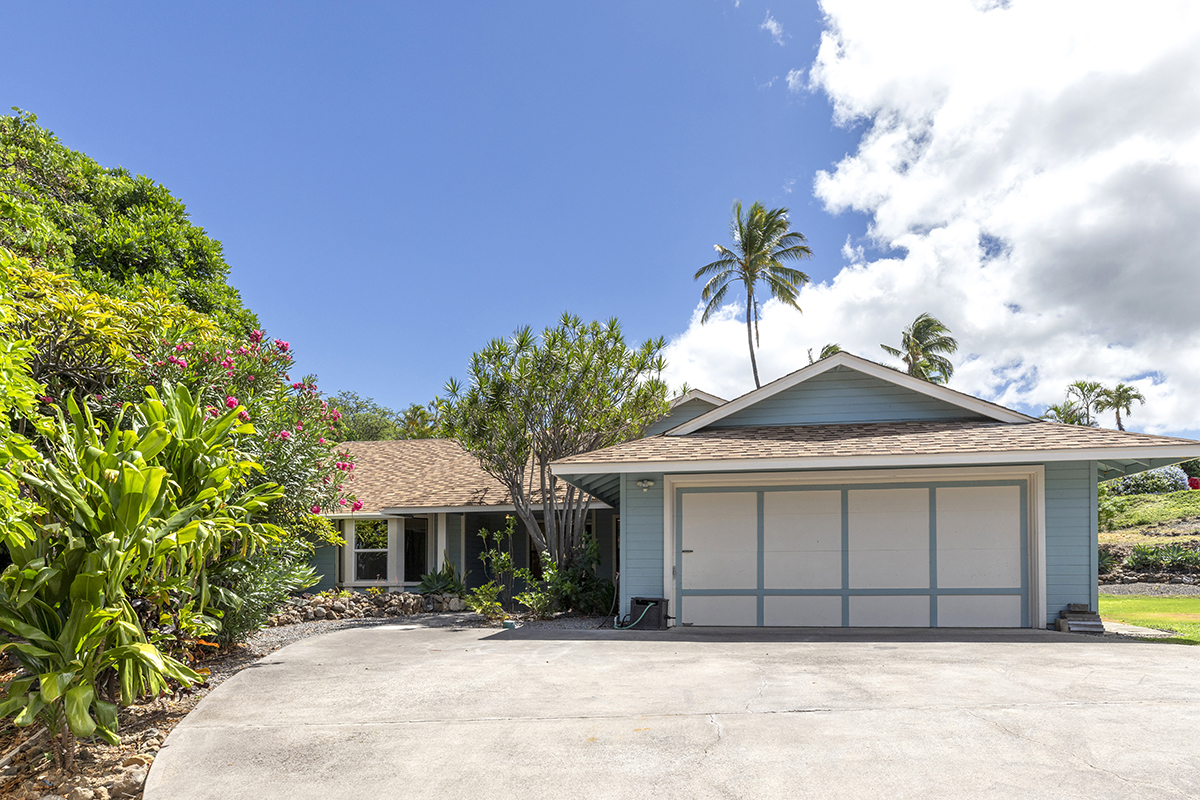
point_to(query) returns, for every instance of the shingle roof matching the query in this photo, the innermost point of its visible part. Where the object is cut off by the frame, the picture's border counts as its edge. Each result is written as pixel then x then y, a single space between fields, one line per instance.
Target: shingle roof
pixel 420 473
pixel 423 473
pixel 949 437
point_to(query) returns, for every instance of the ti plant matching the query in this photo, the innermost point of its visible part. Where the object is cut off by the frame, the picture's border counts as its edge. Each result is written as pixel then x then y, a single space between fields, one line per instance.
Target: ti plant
pixel 134 513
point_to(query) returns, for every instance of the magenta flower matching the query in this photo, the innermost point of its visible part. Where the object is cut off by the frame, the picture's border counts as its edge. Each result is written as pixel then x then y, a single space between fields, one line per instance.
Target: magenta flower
pixel 285 434
pixel 256 336
pixel 321 440
pixel 299 426
pixel 249 377
pixel 341 502
pixel 243 416
pixel 316 509
pixel 231 402
pixel 357 505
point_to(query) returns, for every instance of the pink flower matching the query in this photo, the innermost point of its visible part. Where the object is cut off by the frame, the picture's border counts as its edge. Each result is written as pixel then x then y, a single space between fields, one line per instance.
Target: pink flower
pixel 295 386
pixel 212 411
pixel 341 502
pixel 249 377
pixel 321 440
pixel 158 363
pixel 256 336
pixel 231 402
pixel 179 348
pixel 285 434
pixel 299 426
pixel 282 345
pixel 243 416
pixel 357 505
pixel 316 509
pixel 182 363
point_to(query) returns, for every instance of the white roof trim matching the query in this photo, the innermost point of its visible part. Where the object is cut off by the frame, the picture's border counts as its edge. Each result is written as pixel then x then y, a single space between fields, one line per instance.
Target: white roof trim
pixel 696 394
pixel 844 359
pixel 896 460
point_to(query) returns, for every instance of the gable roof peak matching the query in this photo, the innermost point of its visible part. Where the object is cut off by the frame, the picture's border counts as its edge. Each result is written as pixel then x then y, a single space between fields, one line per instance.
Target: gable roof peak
pixel 858 364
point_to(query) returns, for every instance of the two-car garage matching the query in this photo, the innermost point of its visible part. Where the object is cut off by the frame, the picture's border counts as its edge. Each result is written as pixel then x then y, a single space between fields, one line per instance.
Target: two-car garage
pixel 940 553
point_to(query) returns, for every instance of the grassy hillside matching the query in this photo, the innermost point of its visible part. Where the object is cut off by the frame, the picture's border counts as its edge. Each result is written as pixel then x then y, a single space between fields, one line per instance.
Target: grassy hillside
pixel 1147 518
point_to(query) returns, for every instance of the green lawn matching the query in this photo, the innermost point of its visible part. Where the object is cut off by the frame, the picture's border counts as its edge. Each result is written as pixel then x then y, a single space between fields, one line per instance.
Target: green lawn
pixel 1179 614
pixel 1147 509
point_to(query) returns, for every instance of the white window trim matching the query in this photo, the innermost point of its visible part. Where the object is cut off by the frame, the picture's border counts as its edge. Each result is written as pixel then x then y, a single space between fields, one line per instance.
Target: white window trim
pixel 395 552
pixel 1035 475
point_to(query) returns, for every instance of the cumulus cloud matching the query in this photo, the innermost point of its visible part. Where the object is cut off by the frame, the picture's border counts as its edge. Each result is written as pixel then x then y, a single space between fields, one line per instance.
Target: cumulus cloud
pixel 1032 174
pixel 772 26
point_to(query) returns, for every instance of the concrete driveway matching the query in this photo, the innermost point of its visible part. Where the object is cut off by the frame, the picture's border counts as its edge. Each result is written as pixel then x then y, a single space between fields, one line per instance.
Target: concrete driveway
pixel 402 711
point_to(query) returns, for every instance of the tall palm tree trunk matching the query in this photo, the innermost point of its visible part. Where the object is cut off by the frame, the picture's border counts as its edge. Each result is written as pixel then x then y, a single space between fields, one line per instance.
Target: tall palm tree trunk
pixel 750 336
pixel 1120 427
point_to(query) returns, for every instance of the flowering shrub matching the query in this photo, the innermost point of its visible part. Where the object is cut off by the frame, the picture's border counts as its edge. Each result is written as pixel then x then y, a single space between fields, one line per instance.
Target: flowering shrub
pixel 1155 481
pixel 291 420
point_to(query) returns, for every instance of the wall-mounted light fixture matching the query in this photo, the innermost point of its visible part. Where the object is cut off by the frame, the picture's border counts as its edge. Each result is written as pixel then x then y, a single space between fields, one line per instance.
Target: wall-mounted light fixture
pixel 644 484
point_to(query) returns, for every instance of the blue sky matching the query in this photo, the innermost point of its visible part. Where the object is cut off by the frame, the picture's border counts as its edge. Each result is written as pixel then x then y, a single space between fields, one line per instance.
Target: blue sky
pixel 395 184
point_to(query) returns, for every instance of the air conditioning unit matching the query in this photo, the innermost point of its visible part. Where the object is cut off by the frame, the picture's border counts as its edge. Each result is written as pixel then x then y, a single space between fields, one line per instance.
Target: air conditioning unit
pixel 648 613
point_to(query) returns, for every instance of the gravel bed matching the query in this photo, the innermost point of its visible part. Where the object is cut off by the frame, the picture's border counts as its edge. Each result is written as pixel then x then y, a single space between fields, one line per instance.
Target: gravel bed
pixel 1155 589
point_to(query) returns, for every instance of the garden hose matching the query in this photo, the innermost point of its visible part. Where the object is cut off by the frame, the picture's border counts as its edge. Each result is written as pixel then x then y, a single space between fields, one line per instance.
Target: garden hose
pixel 620 627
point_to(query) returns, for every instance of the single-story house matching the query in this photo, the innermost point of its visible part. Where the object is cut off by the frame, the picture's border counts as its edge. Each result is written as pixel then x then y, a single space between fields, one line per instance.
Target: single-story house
pixel 850 494
pixel 424 503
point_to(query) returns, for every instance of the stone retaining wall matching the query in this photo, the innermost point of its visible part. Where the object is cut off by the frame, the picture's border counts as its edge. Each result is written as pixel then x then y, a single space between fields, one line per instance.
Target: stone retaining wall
pixel 357 605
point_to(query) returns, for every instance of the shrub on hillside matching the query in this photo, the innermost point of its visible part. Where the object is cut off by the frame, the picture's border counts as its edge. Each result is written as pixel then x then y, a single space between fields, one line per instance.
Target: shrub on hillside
pixel 1155 481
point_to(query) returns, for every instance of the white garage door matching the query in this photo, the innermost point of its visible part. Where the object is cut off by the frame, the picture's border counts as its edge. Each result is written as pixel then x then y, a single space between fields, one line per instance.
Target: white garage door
pixel 941 555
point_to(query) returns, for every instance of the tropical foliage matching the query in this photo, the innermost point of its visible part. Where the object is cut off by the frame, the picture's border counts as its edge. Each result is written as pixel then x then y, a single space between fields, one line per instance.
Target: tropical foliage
pixel 924 347
pixel 535 399
pixel 121 235
pixel 1154 481
pixel 762 242
pixel 1119 398
pixel 114 581
pixel 364 420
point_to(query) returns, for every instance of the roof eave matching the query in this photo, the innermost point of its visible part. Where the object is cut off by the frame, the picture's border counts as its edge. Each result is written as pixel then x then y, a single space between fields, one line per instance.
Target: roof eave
pixel 1180 452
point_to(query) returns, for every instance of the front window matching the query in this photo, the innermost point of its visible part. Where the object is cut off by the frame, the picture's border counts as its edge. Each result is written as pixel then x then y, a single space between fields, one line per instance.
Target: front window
pixel 371 550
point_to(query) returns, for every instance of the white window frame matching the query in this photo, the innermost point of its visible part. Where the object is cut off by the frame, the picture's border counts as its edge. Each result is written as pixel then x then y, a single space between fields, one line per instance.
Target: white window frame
pixel 395 551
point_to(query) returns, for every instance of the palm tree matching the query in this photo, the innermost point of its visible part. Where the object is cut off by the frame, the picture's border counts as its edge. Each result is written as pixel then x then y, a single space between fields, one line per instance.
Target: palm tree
pixel 1065 412
pixel 923 347
pixel 762 241
pixel 1118 399
pixel 1087 395
pixel 833 348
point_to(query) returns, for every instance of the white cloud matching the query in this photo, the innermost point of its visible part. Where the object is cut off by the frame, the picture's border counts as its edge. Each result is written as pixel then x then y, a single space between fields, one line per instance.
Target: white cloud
pixel 789 185
pixel 1034 169
pixel 795 80
pixel 772 26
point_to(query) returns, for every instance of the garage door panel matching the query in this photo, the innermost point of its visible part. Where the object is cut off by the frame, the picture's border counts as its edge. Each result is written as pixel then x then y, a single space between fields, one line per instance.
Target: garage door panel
pixel 721 531
pixel 802 521
pixel 720 570
pixel 979 537
pixel 890 611
pixel 821 611
pixel 979 611
pixel 812 570
pixel 979 569
pixel 721 610
pixel 890 569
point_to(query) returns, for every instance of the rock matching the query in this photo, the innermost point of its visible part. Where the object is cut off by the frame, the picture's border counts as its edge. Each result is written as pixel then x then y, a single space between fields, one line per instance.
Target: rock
pixel 319 613
pixel 316 601
pixel 52 797
pixel 129 781
pixel 140 760
pixel 100 793
pixel 338 607
pixel 81 794
pixel 456 604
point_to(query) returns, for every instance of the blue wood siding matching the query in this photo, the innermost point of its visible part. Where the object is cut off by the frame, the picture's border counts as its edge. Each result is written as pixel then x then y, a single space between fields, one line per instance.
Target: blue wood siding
pixel 1071 536
pixel 324 561
pixel 844 395
pixel 641 540
pixel 679 415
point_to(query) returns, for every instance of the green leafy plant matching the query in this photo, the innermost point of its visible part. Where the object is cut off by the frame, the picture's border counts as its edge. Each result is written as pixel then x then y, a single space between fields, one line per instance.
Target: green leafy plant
pixel 248 589
pixel 444 581
pixel 485 600
pixel 1110 506
pixel 132 514
pixel 1107 560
